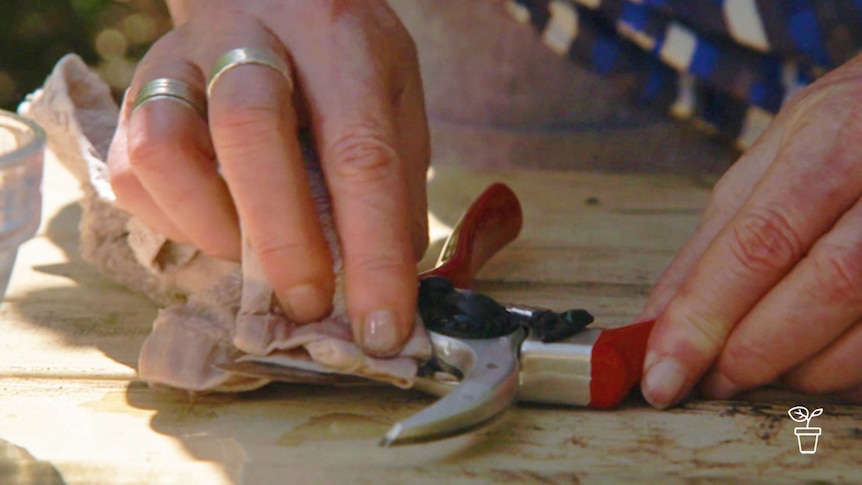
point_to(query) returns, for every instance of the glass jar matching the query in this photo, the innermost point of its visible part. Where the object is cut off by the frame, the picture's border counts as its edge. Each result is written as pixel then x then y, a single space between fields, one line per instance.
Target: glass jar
pixel 22 151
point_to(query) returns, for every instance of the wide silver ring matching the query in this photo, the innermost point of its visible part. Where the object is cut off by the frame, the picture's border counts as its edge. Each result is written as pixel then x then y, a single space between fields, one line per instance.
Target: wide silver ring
pixel 248 55
pixel 173 90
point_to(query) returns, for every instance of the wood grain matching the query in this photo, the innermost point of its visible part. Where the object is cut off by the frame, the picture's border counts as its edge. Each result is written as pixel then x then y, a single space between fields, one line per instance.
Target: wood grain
pixel 72 410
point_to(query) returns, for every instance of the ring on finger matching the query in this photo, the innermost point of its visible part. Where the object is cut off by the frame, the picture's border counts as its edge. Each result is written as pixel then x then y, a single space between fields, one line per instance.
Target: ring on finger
pixel 248 55
pixel 173 90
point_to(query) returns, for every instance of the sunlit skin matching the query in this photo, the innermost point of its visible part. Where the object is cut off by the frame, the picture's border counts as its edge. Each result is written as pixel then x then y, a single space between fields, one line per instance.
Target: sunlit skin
pixel 359 93
pixel 766 290
pixel 769 287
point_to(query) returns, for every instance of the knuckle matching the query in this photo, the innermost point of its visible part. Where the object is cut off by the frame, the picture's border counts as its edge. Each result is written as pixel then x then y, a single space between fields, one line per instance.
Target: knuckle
pixel 380 264
pixel 764 241
pixel 248 116
pixel 744 363
pixel 704 334
pixel 302 261
pixel 150 150
pixel 146 150
pixel 281 251
pixel 363 156
pixel 839 271
pixel 247 128
pixel 125 185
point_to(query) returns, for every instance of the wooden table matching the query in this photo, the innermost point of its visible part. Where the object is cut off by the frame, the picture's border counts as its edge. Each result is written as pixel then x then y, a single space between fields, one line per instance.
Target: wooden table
pixel 73 411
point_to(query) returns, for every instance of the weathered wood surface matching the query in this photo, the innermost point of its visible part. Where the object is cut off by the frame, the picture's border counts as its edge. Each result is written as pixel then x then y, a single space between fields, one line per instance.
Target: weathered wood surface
pixel 73 412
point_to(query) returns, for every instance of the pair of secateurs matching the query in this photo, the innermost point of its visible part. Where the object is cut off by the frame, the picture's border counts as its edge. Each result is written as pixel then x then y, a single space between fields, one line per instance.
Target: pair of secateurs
pixel 487 355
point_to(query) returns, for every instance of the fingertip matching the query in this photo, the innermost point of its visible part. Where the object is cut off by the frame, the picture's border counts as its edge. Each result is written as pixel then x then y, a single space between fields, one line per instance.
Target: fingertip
pixel 306 303
pixel 381 298
pixel 664 382
pixel 380 333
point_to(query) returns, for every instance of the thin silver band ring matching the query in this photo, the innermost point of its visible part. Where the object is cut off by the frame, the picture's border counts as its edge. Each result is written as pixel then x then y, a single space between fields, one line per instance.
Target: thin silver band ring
pixel 173 90
pixel 248 55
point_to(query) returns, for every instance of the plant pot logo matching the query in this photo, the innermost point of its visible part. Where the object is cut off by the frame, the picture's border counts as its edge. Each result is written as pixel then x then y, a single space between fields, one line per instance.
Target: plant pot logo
pixel 807 436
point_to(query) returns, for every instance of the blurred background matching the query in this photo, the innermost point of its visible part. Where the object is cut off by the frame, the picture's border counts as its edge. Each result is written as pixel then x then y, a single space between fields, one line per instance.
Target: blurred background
pixel 495 94
pixel 111 35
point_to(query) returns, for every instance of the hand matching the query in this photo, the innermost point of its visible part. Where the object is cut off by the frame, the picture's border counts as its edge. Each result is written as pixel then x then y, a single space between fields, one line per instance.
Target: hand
pixel 769 287
pixel 358 90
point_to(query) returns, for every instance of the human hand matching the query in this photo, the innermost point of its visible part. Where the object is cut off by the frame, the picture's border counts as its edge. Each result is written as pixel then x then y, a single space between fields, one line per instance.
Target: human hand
pixel 769 287
pixel 358 91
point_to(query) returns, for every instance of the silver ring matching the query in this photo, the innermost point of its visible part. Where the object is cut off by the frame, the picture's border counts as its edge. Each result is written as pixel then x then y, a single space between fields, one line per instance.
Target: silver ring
pixel 173 90
pixel 248 55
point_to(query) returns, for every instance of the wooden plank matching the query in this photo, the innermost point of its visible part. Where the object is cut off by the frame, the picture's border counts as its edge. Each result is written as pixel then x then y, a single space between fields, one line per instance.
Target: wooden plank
pixel 71 403
pixel 94 430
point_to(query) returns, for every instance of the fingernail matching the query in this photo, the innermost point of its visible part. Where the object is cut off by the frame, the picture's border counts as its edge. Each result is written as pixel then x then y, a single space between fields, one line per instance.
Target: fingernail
pixel 380 335
pixel 306 303
pixel 650 360
pixel 717 386
pixel 663 383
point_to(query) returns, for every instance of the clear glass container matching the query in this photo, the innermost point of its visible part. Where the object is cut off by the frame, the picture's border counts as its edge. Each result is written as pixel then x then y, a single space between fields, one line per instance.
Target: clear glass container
pixel 22 151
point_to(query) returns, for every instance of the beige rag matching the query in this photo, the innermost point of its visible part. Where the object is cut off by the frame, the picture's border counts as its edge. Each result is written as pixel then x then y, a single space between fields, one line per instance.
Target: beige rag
pixel 214 311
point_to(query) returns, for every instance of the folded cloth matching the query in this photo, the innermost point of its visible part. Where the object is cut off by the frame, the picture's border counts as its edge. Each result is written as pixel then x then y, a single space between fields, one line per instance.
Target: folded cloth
pixel 214 312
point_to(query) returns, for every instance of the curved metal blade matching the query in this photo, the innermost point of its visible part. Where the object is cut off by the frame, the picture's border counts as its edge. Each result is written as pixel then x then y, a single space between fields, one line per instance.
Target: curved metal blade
pixel 491 371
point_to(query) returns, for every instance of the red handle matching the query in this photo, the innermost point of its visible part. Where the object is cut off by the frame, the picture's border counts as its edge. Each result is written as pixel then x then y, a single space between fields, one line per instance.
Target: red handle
pixel 617 362
pixel 492 221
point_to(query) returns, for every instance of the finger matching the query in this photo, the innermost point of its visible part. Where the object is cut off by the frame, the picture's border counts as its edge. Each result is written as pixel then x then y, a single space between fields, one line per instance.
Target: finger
pixel 254 130
pixel 837 368
pixel 413 143
pixel 371 205
pixel 172 156
pixel 368 180
pixel 729 194
pixel 130 193
pixel 809 309
pixel 812 181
